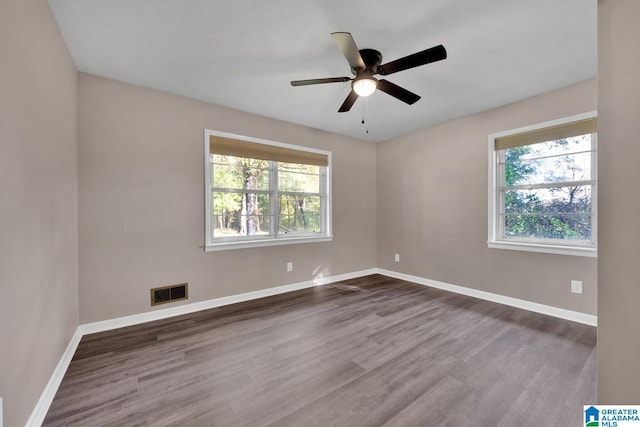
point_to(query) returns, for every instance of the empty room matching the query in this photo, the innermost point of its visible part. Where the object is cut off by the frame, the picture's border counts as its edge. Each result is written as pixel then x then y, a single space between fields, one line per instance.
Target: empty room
pixel 319 213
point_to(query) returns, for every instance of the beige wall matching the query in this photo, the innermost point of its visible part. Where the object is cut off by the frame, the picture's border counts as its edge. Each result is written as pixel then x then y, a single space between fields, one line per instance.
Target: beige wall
pixel 619 225
pixel 432 207
pixel 38 203
pixel 141 202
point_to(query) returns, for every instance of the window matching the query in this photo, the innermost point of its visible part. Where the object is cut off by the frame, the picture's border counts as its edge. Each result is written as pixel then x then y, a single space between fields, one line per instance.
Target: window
pixel 542 187
pixel 261 193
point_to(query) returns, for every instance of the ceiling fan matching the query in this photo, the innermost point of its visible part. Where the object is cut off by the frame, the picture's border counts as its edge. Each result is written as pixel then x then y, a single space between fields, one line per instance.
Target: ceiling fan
pixel 365 63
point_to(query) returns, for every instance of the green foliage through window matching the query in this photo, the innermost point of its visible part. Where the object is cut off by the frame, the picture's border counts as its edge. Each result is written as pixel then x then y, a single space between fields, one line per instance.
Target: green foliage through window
pixel 546 189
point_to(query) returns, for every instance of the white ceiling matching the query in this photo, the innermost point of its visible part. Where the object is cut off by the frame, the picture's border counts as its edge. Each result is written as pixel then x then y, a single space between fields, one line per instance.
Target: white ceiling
pixel 242 54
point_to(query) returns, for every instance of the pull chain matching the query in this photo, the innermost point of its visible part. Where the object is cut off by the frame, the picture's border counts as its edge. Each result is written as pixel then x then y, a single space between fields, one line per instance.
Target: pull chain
pixel 364 105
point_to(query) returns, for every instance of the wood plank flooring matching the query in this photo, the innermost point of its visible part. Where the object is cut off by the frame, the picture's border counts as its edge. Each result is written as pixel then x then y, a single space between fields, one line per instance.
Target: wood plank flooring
pixel 370 351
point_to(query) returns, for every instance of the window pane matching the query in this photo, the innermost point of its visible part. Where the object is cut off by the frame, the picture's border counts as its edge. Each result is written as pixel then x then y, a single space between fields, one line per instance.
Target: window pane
pixel 299 214
pixel 575 199
pixel 574 167
pixel 240 214
pixel 299 178
pixel 561 226
pixel 555 213
pixel 546 162
pixel 561 146
pixel 240 173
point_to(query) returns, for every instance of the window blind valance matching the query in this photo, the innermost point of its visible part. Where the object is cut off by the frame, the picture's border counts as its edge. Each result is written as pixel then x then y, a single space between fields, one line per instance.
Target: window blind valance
pixel 235 147
pixel 581 127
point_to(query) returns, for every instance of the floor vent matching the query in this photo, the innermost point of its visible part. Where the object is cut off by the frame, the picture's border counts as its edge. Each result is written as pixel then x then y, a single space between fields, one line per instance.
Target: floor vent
pixel 169 294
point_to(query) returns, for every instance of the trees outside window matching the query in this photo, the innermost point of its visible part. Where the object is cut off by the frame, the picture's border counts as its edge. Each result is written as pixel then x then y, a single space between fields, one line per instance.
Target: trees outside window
pixel 240 196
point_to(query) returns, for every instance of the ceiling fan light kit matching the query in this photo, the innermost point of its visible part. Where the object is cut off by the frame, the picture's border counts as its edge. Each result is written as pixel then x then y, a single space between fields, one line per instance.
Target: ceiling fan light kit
pixel 364 86
pixel 365 63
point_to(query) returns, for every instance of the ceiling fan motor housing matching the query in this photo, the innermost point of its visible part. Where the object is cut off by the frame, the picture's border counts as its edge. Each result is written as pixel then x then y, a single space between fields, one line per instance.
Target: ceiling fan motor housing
pixel 372 59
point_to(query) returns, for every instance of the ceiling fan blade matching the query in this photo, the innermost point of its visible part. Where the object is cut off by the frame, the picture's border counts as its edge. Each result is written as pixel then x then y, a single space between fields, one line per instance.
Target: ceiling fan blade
pixel 436 53
pixel 397 92
pixel 319 81
pixel 349 49
pixel 348 103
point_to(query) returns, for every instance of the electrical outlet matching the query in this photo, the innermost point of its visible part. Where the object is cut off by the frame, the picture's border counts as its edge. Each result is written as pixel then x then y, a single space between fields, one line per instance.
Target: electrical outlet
pixel 397 258
pixel 576 286
pixel 289 266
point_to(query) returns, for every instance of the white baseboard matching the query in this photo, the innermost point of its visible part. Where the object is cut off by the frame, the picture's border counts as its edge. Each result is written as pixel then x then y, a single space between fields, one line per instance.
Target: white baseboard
pixel 574 316
pixel 40 411
pixel 136 319
pixel 42 407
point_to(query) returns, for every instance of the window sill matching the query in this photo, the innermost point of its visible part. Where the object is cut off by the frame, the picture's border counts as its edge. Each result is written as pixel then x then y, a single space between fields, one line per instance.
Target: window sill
pixel 549 249
pixel 225 246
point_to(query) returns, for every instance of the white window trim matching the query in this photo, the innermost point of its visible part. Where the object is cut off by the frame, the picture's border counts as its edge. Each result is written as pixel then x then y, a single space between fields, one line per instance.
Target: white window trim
pixel 493 239
pixel 210 246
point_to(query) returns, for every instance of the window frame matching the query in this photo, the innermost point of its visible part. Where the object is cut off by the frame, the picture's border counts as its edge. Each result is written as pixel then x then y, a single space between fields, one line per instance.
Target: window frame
pixel 552 246
pixel 274 238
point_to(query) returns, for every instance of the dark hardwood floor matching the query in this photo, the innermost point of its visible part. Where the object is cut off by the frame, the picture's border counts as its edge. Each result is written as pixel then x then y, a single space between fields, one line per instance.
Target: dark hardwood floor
pixel 365 352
